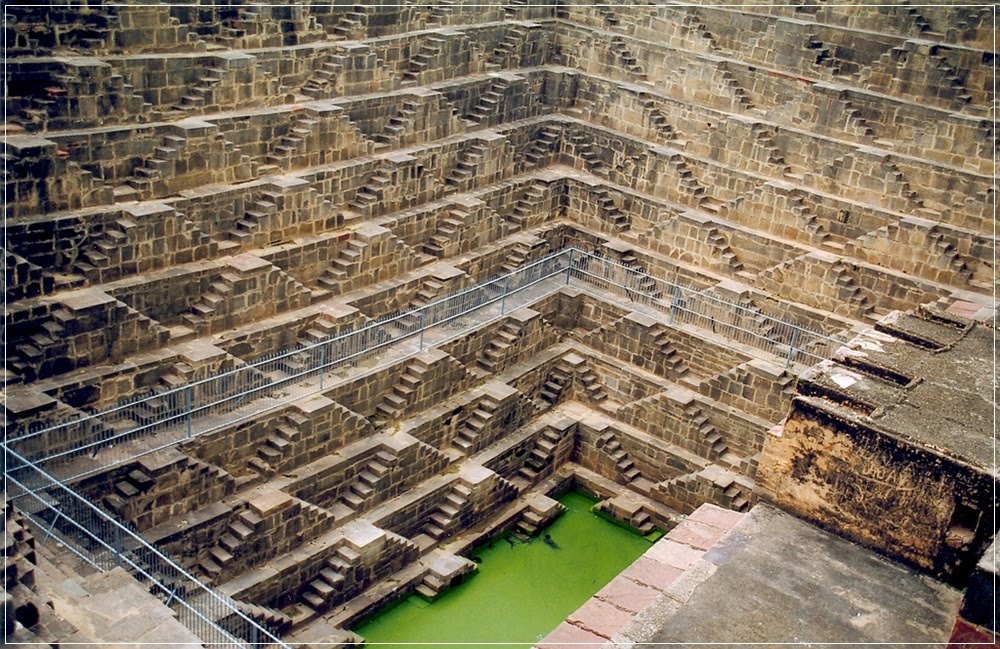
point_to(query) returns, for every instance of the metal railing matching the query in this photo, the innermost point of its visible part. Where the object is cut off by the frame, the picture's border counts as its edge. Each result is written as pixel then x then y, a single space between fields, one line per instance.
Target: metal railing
pixel 240 393
pixel 208 404
pixel 745 325
pixel 205 405
pixel 57 510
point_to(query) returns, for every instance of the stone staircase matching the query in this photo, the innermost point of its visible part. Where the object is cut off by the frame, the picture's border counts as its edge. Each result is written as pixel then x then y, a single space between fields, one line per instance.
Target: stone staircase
pixel 720 249
pixel 463 174
pixel 687 182
pixel 157 406
pixel 368 480
pixel 545 143
pixel 209 302
pixel 490 102
pixel 319 330
pixel 949 257
pixel 672 361
pixel 541 511
pixel 134 483
pixel 201 95
pixel 155 168
pixel 732 85
pixel 848 289
pixel 467 438
pixel 430 290
pixel 106 250
pixel 707 433
pixel 398 125
pixel 329 582
pixel 693 24
pixel 347 263
pixel 584 148
pixel 322 82
pixel 824 55
pixel 516 257
pixel 254 220
pixel 23 279
pixel 627 59
pixel 448 231
pixel 445 519
pixel 735 498
pixel 499 345
pixel 526 205
pixel 270 455
pixel 422 61
pixel 440 12
pixel 958 91
pixel 541 456
pixel 395 402
pixel 641 279
pixel 295 143
pixel 609 444
pixel 558 380
pixel 764 138
pixel 239 531
pixel 352 24
pixel 371 194
pixel 444 571
pixel 592 386
pixel 856 122
pixel 276 622
pixel 507 51
pixel 608 210
pixel 810 222
pixel 657 119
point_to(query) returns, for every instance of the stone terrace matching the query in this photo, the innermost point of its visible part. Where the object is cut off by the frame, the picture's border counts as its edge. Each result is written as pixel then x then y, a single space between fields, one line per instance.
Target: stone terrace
pixel 195 188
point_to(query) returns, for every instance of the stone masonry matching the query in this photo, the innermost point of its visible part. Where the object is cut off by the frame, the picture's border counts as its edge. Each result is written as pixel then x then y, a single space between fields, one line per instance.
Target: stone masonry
pixel 194 189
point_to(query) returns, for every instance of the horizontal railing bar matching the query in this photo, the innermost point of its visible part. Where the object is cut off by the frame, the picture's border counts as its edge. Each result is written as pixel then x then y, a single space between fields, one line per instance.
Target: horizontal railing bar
pixel 123 532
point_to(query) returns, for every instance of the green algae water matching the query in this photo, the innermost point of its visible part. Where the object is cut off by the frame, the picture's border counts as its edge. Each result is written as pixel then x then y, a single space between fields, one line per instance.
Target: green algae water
pixel 522 591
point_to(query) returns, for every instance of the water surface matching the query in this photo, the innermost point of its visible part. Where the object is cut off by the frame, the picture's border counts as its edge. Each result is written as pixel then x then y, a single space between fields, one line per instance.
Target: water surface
pixel 522 591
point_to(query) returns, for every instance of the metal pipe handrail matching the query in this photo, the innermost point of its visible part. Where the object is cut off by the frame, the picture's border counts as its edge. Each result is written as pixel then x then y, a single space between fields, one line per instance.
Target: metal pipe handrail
pixel 289 353
pixel 250 382
pixel 121 533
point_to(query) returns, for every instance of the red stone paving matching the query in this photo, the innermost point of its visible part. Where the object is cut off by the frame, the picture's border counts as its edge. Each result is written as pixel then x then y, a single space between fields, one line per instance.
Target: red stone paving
pixel 670 553
pixel 697 535
pixel 963 308
pixel 600 617
pixel 567 636
pixel 968 636
pixel 614 606
pixel 627 594
pixel 652 573
pixel 723 519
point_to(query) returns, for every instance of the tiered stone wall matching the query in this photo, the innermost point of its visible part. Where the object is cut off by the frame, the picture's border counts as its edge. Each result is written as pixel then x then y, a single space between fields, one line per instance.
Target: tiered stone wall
pixel 195 188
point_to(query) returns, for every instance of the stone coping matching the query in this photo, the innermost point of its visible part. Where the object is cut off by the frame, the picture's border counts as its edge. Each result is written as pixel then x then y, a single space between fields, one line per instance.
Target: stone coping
pixel 667 568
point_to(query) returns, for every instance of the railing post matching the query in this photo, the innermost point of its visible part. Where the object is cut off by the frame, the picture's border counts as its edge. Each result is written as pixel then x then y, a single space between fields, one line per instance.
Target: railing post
pixel 673 303
pixel 188 408
pixel 423 313
pixel 791 346
pixel 503 298
pixel 569 266
pixel 322 363
pixel 117 545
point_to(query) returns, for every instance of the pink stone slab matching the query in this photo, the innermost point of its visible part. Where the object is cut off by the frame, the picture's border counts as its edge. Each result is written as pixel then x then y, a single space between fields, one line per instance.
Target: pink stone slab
pixel 600 617
pixel 626 594
pixel 697 535
pixel 724 519
pixel 567 636
pixel 652 573
pixel 675 555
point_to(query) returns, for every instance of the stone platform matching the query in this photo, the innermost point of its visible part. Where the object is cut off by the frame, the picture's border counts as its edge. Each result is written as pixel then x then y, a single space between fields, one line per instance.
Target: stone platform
pixel 760 577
